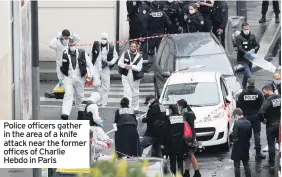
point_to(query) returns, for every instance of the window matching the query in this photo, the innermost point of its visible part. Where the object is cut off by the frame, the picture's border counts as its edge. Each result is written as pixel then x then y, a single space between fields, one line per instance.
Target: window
pixel 223 88
pixel 164 56
pixel 170 63
pixel 197 93
pixel 160 51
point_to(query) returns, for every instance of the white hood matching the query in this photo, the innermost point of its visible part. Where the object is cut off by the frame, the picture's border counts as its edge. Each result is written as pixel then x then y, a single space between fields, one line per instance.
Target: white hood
pixel 202 112
pixel 95 97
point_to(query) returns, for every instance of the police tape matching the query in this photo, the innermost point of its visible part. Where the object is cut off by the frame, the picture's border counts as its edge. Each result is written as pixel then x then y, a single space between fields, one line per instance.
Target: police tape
pixel 124 41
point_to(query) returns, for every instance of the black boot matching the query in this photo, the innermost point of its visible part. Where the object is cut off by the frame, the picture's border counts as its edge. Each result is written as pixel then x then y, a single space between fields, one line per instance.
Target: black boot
pixel 263 19
pixel 186 173
pixel 197 173
pixel 277 20
pixel 64 117
pixel 259 155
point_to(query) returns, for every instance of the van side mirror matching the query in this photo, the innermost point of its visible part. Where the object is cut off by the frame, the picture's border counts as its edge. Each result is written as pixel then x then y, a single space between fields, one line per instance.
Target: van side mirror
pixel 166 74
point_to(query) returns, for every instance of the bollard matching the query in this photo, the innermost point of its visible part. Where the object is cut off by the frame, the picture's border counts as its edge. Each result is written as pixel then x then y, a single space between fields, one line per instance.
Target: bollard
pixel 90 155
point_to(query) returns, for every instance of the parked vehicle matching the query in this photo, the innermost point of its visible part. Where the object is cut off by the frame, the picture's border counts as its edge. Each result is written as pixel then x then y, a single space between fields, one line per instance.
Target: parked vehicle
pixel 211 99
pixel 185 50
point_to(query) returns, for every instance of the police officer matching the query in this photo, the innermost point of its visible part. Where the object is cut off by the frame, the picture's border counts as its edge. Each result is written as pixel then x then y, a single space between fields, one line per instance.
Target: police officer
pixel 246 42
pixel 250 101
pixel 219 20
pixel 172 9
pixel 176 145
pixel 133 18
pixel 193 20
pixel 270 114
pixel 206 8
pixel 264 9
pixel 241 135
pixel 158 22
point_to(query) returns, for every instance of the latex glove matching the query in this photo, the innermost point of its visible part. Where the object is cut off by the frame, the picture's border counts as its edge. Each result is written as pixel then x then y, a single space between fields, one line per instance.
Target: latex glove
pixel 90 78
pixel 252 51
pixel 61 82
pixel 101 124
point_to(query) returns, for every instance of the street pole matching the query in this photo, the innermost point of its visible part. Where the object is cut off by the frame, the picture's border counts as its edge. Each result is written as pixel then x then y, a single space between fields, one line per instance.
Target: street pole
pixel 35 68
pixel 241 7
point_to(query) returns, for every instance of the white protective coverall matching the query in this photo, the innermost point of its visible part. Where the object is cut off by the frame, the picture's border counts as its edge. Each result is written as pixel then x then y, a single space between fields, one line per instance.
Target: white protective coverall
pixel 74 84
pixel 98 132
pixel 131 87
pixel 99 137
pixel 59 47
pixel 102 75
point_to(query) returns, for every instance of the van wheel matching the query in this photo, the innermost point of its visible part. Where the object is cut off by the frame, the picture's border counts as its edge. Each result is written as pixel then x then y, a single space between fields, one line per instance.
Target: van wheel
pixel 226 146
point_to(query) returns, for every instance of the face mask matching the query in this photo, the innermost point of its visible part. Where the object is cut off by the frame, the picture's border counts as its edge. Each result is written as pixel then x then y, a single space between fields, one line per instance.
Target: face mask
pixel 104 41
pixel 246 32
pixel 65 42
pixel 192 11
pixel 72 48
pixel 276 82
pixel 266 96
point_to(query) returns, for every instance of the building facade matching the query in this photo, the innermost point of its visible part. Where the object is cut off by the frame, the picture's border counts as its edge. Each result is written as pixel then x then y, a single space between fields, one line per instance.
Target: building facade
pixel 15 60
pixel 88 19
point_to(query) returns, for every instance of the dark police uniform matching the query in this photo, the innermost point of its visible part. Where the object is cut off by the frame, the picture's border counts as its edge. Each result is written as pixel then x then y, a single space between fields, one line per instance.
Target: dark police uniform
pixel 97 48
pixel 271 112
pixel 81 62
pixel 126 137
pixel 275 88
pixel 264 10
pixel 172 10
pixel 244 44
pixel 84 115
pixel 193 22
pixel 250 101
pixel 207 15
pixel 176 148
pixel 220 19
pixel 158 21
pixel 242 133
pixel 133 17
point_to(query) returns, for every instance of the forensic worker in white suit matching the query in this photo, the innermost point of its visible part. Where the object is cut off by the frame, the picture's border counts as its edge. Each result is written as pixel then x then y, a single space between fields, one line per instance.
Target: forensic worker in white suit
pixel 130 67
pixel 60 44
pixel 73 70
pixel 104 56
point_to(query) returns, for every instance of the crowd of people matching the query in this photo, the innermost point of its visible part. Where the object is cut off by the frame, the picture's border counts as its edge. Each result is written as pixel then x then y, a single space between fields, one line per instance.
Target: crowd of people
pixel 154 18
pixel 165 130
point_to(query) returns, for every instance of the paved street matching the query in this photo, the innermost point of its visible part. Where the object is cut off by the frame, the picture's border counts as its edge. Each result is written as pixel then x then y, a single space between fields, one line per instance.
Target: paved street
pixel 213 163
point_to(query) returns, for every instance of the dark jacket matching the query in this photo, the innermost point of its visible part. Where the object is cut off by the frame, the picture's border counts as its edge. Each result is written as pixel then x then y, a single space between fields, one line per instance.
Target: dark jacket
pixel 173 11
pixel 250 101
pixel 271 110
pixel 242 133
pixel 132 8
pixel 244 44
pixel 125 116
pixel 158 21
pixel 275 87
pixel 193 22
pixel 220 14
pixel 176 140
pixel 154 113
